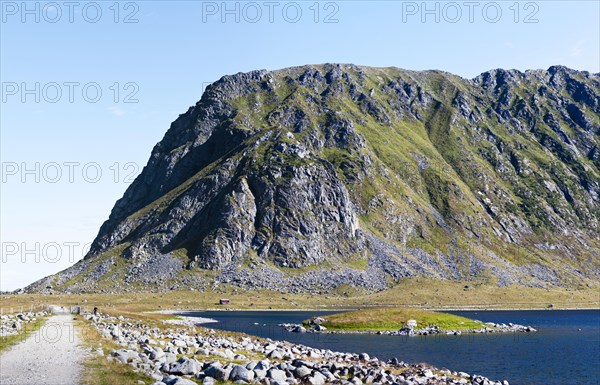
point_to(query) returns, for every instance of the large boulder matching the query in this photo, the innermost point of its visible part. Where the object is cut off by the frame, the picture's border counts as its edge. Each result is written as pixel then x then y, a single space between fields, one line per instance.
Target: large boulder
pixel 239 372
pixel 217 372
pixel 302 371
pixel 184 366
pixel 277 375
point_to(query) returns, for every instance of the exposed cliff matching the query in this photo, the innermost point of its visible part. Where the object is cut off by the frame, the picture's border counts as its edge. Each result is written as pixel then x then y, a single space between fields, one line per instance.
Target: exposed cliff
pixel 315 177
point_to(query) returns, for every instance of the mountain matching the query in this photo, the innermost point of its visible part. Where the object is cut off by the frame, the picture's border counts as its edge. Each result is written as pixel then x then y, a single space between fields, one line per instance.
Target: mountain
pixel 319 177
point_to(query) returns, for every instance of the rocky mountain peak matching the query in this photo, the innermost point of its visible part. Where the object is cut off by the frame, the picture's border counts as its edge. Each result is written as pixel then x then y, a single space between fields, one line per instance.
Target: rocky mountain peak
pixel 327 175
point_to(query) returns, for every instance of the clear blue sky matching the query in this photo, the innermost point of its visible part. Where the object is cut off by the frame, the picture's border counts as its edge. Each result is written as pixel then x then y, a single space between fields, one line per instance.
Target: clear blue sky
pixel 164 58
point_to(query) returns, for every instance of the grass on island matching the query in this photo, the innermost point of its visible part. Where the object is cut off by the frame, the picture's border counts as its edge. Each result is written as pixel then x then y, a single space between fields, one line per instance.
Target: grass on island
pixel 392 319
pixel 28 329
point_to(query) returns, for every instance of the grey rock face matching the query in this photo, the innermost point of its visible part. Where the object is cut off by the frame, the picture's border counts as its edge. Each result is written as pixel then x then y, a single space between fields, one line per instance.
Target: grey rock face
pixel 362 176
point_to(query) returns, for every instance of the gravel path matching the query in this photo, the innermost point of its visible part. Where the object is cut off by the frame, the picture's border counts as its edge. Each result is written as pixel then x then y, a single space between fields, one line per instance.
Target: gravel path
pixel 51 356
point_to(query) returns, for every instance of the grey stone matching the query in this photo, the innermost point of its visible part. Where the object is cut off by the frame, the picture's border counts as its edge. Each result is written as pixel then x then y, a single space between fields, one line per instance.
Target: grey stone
pixel 277 374
pixel 183 381
pixel 276 354
pixel 156 353
pixel 316 379
pixel 241 373
pixel 302 371
pixel 184 366
pixel 125 355
pixel 259 373
pixel 170 357
pixel 217 373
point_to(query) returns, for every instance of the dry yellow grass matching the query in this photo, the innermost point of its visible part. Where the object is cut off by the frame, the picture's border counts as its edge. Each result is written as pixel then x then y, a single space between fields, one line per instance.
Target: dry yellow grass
pixel 422 293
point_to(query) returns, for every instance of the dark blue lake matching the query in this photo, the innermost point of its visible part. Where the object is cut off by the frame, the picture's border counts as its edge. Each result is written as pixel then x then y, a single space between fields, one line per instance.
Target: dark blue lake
pixel 565 350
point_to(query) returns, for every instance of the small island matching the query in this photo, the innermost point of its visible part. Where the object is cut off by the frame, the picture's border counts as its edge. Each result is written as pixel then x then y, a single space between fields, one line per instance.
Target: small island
pixel 401 321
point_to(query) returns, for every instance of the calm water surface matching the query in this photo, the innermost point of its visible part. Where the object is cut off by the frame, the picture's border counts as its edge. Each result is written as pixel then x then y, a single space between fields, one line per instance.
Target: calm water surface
pixel 565 350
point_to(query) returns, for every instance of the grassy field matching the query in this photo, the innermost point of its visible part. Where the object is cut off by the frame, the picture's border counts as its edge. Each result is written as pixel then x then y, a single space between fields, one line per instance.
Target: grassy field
pixel 390 319
pixel 419 293
pixel 28 329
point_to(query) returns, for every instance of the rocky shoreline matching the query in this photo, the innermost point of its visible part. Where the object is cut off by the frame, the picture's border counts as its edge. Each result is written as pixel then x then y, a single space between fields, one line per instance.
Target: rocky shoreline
pixel 186 355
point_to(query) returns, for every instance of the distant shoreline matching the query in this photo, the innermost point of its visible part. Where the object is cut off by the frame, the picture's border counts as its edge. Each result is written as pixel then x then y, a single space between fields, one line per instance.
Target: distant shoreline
pixel 176 311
